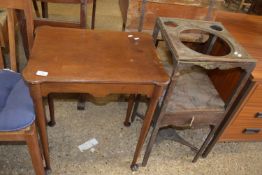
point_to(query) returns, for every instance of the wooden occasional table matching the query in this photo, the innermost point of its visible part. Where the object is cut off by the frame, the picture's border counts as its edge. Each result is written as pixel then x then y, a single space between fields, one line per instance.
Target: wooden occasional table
pixel 95 62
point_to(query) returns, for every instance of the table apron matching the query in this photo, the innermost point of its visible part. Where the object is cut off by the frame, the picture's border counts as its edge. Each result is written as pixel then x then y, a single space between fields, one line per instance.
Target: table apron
pixel 97 89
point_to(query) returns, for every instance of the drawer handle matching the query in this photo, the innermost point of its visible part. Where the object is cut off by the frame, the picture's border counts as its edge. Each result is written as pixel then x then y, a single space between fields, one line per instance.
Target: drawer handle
pixel 251 130
pixel 187 126
pixel 259 115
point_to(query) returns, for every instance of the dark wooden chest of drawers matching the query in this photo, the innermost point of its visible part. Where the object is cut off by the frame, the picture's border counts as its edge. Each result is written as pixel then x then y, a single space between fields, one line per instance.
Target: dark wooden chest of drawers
pixel 247 122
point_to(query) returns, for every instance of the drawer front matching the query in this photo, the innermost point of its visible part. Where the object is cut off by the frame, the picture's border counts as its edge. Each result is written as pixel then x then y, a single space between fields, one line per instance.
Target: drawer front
pixel 256 97
pixel 252 109
pixel 247 125
pixel 249 116
pixel 192 120
pixel 242 134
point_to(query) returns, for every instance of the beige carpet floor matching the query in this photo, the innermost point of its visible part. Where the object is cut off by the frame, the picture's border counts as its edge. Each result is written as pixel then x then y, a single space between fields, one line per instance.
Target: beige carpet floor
pixel 114 153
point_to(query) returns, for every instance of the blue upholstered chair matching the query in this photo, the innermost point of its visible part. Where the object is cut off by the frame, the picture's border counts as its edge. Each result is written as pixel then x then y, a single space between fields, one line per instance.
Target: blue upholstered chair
pixel 17 116
pixel 16 107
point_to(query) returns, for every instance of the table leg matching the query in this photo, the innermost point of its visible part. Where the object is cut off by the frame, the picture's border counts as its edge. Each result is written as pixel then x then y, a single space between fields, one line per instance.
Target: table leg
pixel 146 125
pixel 83 14
pixel 81 102
pixel 142 16
pixel 93 14
pixel 44 6
pixel 50 99
pixel 131 101
pixel 36 9
pixel 155 34
pixel 135 112
pixel 41 120
pixel 210 12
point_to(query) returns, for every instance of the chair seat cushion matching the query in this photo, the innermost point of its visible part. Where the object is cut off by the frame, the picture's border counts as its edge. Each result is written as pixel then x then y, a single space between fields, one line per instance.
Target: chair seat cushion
pixel 7 81
pixel 194 91
pixel 18 110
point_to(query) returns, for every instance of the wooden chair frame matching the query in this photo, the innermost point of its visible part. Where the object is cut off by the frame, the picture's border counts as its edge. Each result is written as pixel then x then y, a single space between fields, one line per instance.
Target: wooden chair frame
pixel 29 134
pixel 1 59
pixel 50 22
pixel 43 21
pixel 241 3
pixel 2 44
pixel 83 13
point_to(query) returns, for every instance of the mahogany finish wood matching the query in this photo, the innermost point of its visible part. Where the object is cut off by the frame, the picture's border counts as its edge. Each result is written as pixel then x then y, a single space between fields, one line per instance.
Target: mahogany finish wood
pixel 248 117
pixel 229 77
pixel 247 31
pixel 95 65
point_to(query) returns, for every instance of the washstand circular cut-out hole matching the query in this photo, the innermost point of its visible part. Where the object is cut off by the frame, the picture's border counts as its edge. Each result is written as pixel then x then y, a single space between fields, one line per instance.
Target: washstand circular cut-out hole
pixel 170 24
pixel 204 42
pixel 216 27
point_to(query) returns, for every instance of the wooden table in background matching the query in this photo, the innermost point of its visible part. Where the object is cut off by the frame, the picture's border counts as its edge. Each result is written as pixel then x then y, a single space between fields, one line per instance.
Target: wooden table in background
pixel 142 14
pixel 94 62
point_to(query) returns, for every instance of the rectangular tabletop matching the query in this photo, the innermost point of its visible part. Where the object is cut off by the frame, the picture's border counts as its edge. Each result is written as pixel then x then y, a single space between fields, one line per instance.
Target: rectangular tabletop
pixel 95 62
pixel 77 55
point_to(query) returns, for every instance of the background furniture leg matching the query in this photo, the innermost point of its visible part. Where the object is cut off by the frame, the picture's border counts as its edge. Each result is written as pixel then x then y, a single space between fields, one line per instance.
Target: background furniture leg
pixel 50 99
pixel 93 15
pixel 44 6
pixel 131 101
pixel 137 99
pixel 81 102
pixel 36 8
